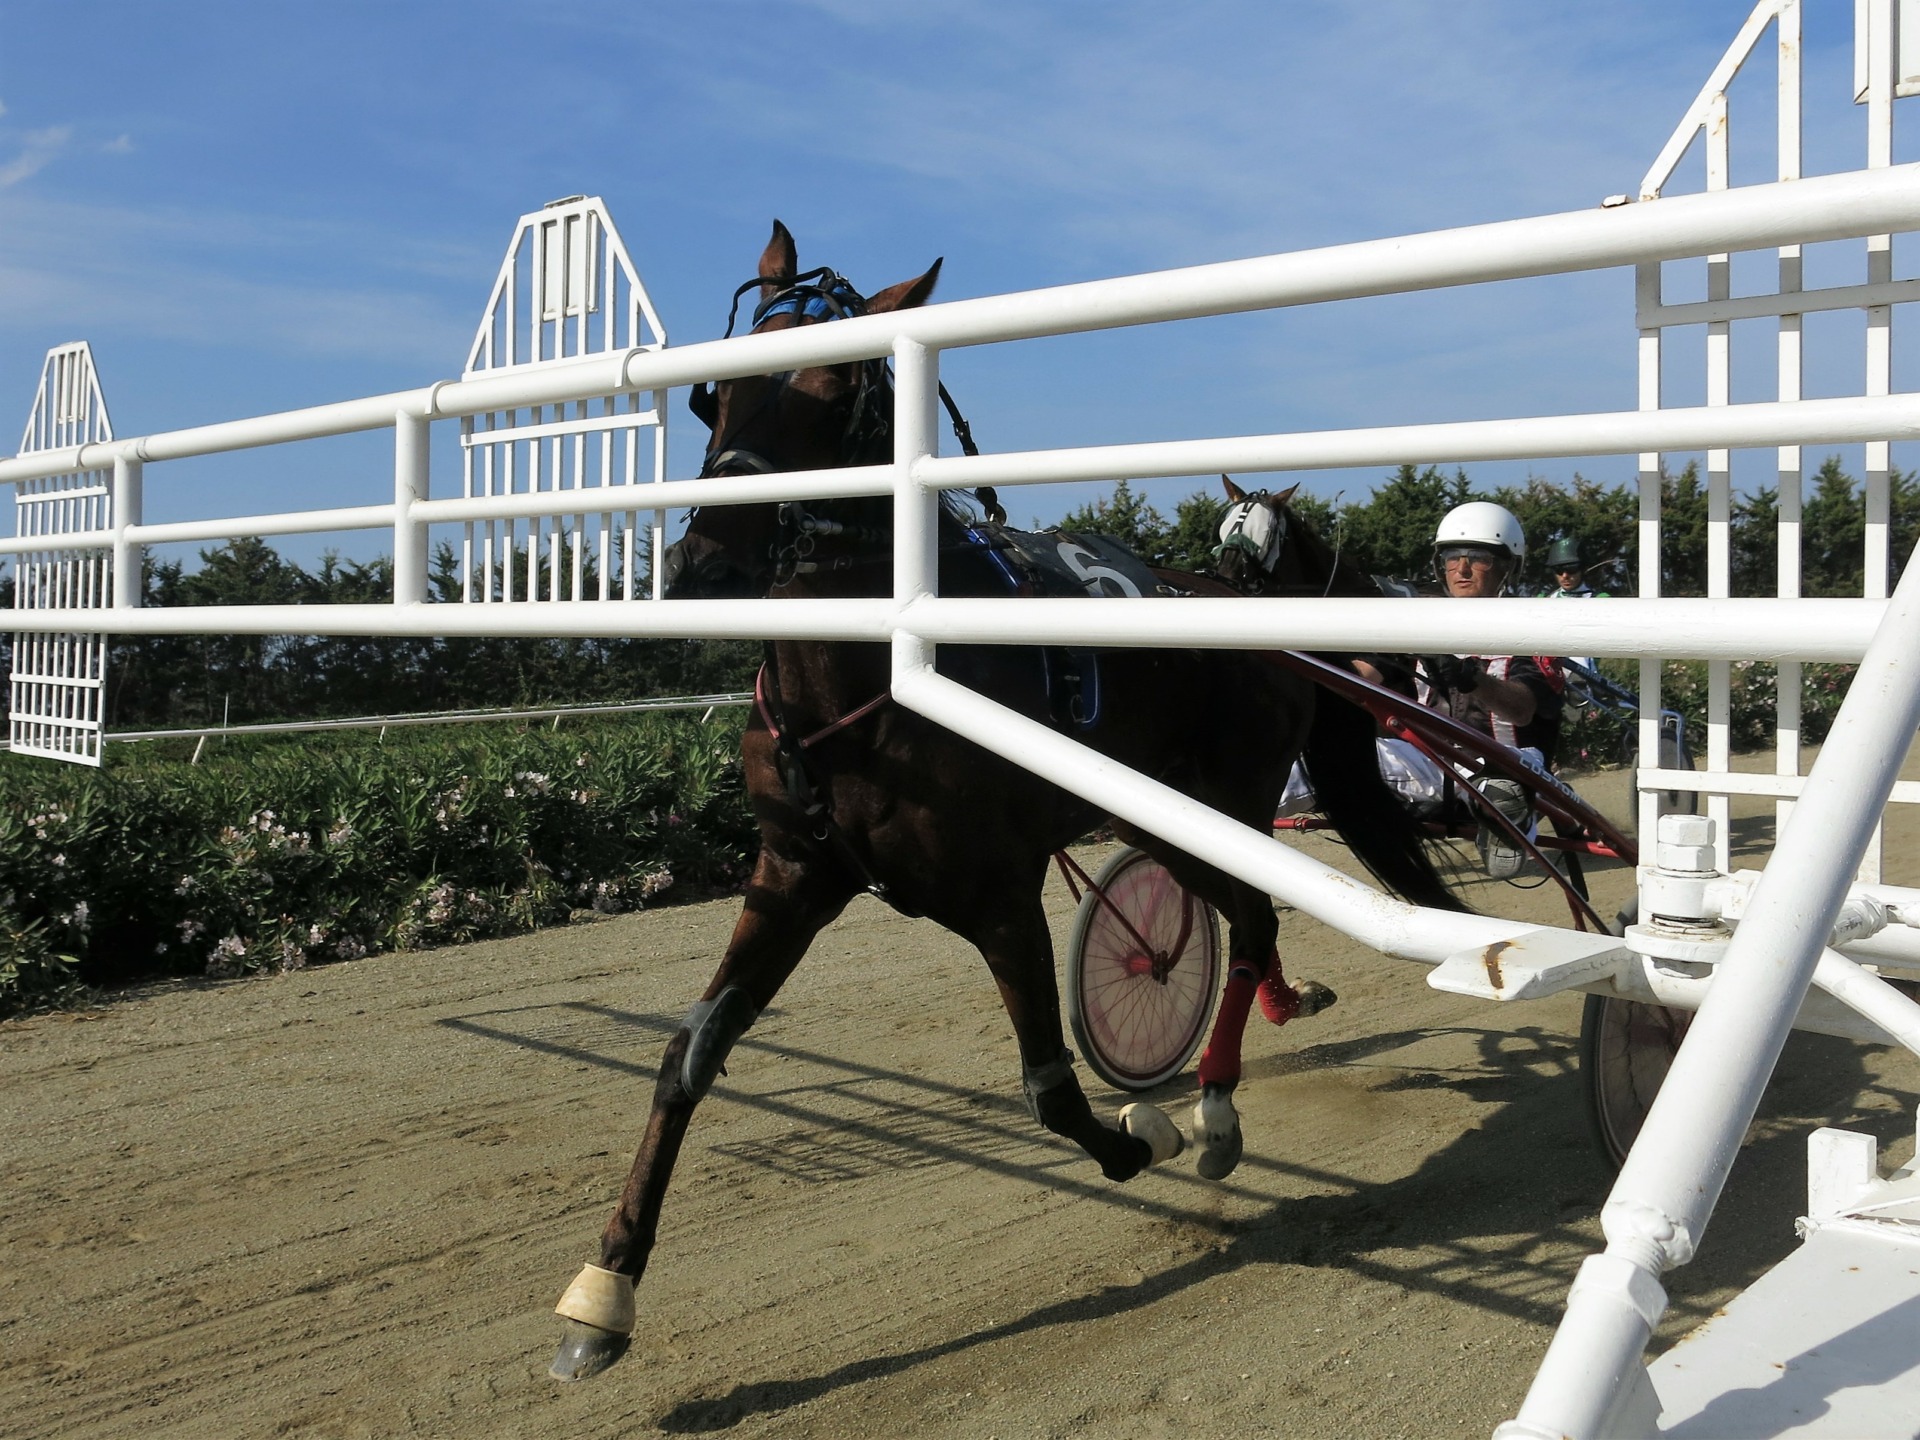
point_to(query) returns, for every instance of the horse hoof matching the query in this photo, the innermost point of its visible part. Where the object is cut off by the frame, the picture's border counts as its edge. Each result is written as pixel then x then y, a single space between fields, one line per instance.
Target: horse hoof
pixel 1150 1123
pixel 586 1350
pixel 1315 997
pixel 1216 1130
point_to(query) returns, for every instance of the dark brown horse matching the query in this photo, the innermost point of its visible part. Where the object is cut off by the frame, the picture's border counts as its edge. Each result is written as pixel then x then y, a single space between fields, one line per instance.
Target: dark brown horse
pixel 854 792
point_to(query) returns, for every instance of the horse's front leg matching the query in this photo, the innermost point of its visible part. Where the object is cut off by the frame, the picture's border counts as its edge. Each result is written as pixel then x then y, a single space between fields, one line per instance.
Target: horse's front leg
pixel 1019 951
pixel 787 904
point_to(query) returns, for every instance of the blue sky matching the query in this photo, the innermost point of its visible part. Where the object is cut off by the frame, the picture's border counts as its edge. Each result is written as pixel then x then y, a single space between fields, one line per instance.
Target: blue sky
pixel 252 206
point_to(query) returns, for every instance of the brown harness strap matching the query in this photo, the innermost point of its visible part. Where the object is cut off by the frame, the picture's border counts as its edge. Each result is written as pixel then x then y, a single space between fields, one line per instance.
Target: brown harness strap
pixel 773 726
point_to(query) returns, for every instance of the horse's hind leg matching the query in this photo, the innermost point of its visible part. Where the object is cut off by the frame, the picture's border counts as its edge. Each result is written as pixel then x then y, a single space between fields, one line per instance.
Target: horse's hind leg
pixel 1019 952
pixel 786 906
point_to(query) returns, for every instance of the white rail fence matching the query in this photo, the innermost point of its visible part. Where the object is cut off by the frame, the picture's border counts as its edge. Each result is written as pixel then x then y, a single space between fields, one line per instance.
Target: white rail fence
pixel 414 719
pixel 1593 1381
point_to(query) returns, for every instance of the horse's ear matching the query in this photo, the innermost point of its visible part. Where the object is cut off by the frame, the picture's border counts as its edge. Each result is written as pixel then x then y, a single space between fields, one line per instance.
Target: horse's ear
pixel 907 294
pixel 704 404
pixel 1234 493
pixel 779 262
pixel 1287 494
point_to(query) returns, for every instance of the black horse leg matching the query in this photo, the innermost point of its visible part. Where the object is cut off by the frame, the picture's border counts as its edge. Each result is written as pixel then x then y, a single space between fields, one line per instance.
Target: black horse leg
pixel 786 906
pixel 1019 952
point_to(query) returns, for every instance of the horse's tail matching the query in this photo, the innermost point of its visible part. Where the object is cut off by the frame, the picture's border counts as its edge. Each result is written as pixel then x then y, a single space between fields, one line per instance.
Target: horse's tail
pixel 1363 807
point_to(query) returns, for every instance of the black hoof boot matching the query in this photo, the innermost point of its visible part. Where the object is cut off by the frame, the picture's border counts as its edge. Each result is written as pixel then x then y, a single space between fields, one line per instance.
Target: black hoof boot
pixel 586 1350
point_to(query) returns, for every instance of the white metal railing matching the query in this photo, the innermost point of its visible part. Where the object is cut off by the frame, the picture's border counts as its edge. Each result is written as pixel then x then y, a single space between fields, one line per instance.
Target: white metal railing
pixel 914 618
pixel 412 719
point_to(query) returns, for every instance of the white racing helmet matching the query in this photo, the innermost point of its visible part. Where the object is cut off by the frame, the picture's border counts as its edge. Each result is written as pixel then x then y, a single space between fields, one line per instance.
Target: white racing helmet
pixel 1481 522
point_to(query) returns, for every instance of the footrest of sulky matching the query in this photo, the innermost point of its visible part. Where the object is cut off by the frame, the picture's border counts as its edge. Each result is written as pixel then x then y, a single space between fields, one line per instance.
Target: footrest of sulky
pixel 1530 965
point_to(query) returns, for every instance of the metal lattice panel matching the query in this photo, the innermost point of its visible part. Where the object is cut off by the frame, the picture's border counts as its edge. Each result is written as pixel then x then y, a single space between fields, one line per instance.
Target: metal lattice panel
pixel 57 688
pixel 566 290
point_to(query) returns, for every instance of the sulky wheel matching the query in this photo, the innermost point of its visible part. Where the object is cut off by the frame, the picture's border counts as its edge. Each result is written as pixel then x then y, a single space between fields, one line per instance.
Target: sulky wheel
pixel 1139 1012
pixel 1625 1049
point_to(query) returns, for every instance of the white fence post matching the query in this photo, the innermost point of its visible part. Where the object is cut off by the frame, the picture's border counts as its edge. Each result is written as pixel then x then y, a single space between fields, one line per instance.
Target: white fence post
pixel 411 434
pixel 128 555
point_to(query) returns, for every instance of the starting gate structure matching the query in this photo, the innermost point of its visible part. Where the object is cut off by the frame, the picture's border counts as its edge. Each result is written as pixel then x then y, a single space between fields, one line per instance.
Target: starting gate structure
pixel 570 370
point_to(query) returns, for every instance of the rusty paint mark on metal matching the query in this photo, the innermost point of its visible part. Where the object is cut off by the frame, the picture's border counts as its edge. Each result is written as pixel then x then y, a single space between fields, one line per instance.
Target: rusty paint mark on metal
pixel 1491 957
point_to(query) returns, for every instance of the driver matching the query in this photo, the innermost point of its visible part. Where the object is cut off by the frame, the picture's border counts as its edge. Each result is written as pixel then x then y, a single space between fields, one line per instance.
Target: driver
pixel 1515 699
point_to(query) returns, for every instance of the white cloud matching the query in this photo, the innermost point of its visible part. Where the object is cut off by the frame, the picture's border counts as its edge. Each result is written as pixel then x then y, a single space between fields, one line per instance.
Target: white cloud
pixel 235 280
pixel 119 145
pixel 36 149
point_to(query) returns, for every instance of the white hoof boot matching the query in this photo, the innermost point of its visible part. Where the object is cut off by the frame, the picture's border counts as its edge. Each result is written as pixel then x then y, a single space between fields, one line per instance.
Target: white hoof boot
pixel 1150 1123
pixel 1216 1130
pixel 600 1298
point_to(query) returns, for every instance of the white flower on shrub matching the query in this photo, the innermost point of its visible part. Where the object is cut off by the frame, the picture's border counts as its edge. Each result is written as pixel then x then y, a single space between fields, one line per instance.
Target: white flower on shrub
pixel 226 957
pixel 652 883
pixel 341 832
pixel 349 948
pixel 536 783
pixel 191 930
pixel 292 957
pixel 78 919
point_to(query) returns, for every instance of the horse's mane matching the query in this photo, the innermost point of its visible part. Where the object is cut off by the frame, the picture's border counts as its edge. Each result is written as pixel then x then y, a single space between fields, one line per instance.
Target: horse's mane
pixel 1323 564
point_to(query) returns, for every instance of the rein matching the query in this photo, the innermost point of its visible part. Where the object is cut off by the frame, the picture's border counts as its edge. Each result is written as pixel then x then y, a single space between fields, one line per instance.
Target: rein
pixel 780 732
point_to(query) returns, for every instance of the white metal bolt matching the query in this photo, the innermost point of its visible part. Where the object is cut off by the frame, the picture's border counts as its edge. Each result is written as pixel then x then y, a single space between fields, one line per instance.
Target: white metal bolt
pixel 1685 844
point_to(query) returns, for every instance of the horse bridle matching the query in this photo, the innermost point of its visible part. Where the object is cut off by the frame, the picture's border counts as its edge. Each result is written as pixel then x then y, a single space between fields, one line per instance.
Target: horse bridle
pixel 1234 535
pixel 821 294
pixel 867 438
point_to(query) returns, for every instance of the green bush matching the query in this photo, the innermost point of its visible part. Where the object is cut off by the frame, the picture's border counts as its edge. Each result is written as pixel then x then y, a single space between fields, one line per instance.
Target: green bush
pixel 275 855
pixel 1593 736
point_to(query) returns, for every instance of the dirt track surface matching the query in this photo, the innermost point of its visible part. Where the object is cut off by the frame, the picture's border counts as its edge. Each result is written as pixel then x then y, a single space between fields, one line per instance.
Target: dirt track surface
pixel 343 1202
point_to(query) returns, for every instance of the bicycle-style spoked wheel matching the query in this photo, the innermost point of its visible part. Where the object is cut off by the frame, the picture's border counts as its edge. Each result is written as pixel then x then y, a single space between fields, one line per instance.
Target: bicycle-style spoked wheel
pixel 1625 1050
pixel 1140 1011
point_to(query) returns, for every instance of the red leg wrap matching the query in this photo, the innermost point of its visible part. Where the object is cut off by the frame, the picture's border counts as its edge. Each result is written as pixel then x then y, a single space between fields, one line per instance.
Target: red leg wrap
pixel 1220 1061
pixel 1279 1001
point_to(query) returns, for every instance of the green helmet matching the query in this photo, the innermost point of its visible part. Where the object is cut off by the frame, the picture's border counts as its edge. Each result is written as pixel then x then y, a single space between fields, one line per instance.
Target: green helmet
pixel 1564 554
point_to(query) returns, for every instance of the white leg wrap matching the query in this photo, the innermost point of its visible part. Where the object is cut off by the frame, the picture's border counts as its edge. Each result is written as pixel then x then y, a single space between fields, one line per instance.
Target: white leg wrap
pixel 1150 1123
pixel 1214 1119
pixel 600 1298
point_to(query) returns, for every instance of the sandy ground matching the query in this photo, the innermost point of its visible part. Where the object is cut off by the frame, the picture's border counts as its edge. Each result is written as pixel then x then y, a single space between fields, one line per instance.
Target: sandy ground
pixel 343 1202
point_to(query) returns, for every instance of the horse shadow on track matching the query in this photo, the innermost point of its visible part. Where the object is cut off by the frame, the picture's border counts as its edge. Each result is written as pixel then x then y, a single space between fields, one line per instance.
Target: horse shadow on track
pixel 1496 1219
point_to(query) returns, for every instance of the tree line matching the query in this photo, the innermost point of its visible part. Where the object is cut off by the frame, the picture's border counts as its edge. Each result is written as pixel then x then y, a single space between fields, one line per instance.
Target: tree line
pixel 1391 531
pixel 196 680
pixel 190 681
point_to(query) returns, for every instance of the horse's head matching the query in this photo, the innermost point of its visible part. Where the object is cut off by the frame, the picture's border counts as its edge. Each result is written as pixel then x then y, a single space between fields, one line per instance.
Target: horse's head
pixel 813 419
pixel 1253 537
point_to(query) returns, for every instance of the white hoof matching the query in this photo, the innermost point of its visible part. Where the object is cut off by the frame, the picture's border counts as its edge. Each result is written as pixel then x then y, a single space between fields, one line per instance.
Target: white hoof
pixel 1216 1130
pixel 1150 1123
pixel 600 1298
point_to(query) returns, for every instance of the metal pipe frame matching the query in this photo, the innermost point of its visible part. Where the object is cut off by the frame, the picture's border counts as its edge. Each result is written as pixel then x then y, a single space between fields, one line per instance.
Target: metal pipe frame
pixel 1833 630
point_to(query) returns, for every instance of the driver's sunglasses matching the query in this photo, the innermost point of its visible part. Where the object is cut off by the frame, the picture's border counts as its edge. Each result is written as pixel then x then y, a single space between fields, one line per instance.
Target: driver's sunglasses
pixel 1474 556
